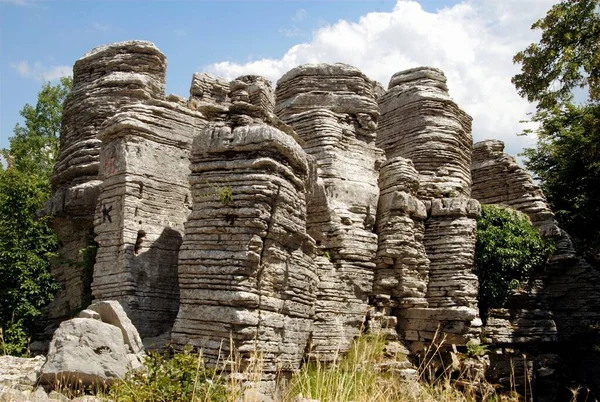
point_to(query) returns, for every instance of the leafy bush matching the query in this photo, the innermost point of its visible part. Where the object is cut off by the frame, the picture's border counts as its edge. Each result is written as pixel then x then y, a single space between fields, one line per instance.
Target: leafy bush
pixel 26 245
pixel 181 378
pixel 507 251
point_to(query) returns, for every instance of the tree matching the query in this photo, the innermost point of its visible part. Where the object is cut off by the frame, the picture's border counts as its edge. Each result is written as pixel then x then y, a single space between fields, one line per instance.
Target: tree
pixel 566 57
pixel 26 241
pixel 567 162
pixel 567 157
pixel 508 249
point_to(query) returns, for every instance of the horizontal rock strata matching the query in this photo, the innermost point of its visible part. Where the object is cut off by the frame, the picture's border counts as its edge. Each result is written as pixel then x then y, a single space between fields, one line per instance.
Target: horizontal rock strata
pixel 571 285
pixel 144 202
pixel 104 80
pixel 246 271
pixel 333 110
pixel 420 121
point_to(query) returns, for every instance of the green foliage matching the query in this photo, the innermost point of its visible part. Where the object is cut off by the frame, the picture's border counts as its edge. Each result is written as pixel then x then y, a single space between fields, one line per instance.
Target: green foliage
pixel 26 245
pixel 225 194
pixel 507 250
pixel 566 57
pixel 26 241
pixel 567 157
pixel 183 377
pixel 34 147
pixel 476 349
pixel 567 163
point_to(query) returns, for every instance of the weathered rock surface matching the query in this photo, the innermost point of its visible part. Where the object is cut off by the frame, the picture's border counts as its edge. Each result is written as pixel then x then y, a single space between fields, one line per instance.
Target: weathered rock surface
pixel 561 305
pixel 333 110
pixel 419 121
pixel 498 179
pixel 19 372
pixel 402 272
pixel 112 313
pixel 246 272
pixel 87 351
pixel 104 80
pixel 141 210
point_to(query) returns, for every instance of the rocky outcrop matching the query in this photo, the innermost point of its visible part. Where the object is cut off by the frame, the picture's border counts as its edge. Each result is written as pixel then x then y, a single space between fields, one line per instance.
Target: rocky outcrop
pixel 92 351
pixel 333 109
pixel 419 121
pixel 498 179
pixel 246 272
pixel 402 270
pixel 19 372
pixel 144 202
pixel 562 305
pixel 104 80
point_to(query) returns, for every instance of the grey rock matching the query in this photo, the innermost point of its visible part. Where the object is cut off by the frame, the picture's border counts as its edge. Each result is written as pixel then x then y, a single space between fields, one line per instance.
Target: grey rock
pixel 111 312
pixel 333 110
pixel 19 371
pixel 85 351
pixel 88 313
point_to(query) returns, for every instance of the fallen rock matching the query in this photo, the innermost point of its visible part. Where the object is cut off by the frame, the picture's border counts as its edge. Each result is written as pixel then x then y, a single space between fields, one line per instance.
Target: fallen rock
pixel 86 351
pixel 111 312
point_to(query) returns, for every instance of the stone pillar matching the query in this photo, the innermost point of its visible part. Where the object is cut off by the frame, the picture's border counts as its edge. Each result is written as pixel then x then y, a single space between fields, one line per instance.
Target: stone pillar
pixel 104 80
pixel 419 121
pixel 401 276
pixel 143 205
pixel 246 272
pixel 333 109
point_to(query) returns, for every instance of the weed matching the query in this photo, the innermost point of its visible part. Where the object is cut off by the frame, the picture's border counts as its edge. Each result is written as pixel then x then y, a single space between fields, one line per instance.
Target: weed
pixel 476 349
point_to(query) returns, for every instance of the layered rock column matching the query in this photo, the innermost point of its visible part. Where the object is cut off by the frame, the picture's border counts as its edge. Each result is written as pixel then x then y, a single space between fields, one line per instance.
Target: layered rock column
pixel 333 110
pixel 421 122
pixel 144 203
pixel 402 270
pixel 246 272
pixel 104 80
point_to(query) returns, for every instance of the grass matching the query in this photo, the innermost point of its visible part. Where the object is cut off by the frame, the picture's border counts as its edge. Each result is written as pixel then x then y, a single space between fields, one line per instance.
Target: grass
pixel 368 373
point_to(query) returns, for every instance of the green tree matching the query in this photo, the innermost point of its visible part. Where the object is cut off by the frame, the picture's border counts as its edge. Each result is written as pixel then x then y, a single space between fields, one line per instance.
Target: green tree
pixel 508 249
pixel 26 240
pixel 567 56
pixel 566 159
pixel 567 163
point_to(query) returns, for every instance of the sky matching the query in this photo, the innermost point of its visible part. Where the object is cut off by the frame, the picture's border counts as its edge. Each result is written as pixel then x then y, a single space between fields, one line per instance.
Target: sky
pixel 472 41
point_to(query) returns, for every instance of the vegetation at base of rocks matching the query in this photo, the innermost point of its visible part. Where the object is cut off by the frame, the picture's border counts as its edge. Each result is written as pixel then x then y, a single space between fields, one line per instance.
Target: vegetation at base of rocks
pixel 566 159
pixel 180 378
pixel 26 241
pixel 508 250
pixel 476 349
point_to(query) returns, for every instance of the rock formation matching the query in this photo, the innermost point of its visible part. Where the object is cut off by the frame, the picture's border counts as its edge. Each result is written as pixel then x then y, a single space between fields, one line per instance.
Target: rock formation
pixel 93 350
pixel 283 223
pixel 419 121
pixel 104 80
pixel 560 305
pixel 246 271
pixel 333 110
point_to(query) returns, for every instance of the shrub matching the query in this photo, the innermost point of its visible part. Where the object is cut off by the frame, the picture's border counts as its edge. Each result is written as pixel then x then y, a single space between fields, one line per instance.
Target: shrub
pixel 181 378
pixel 508 250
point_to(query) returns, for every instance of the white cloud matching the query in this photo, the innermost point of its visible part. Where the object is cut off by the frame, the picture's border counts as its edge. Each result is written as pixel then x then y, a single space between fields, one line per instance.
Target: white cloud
pixel 300 15
pixel 100 27
pixel 290 32
pixel 40 72
pixel 472 41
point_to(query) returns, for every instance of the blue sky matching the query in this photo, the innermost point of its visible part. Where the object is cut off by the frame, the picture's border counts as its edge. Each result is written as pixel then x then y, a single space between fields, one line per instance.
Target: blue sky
pixel 472 41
